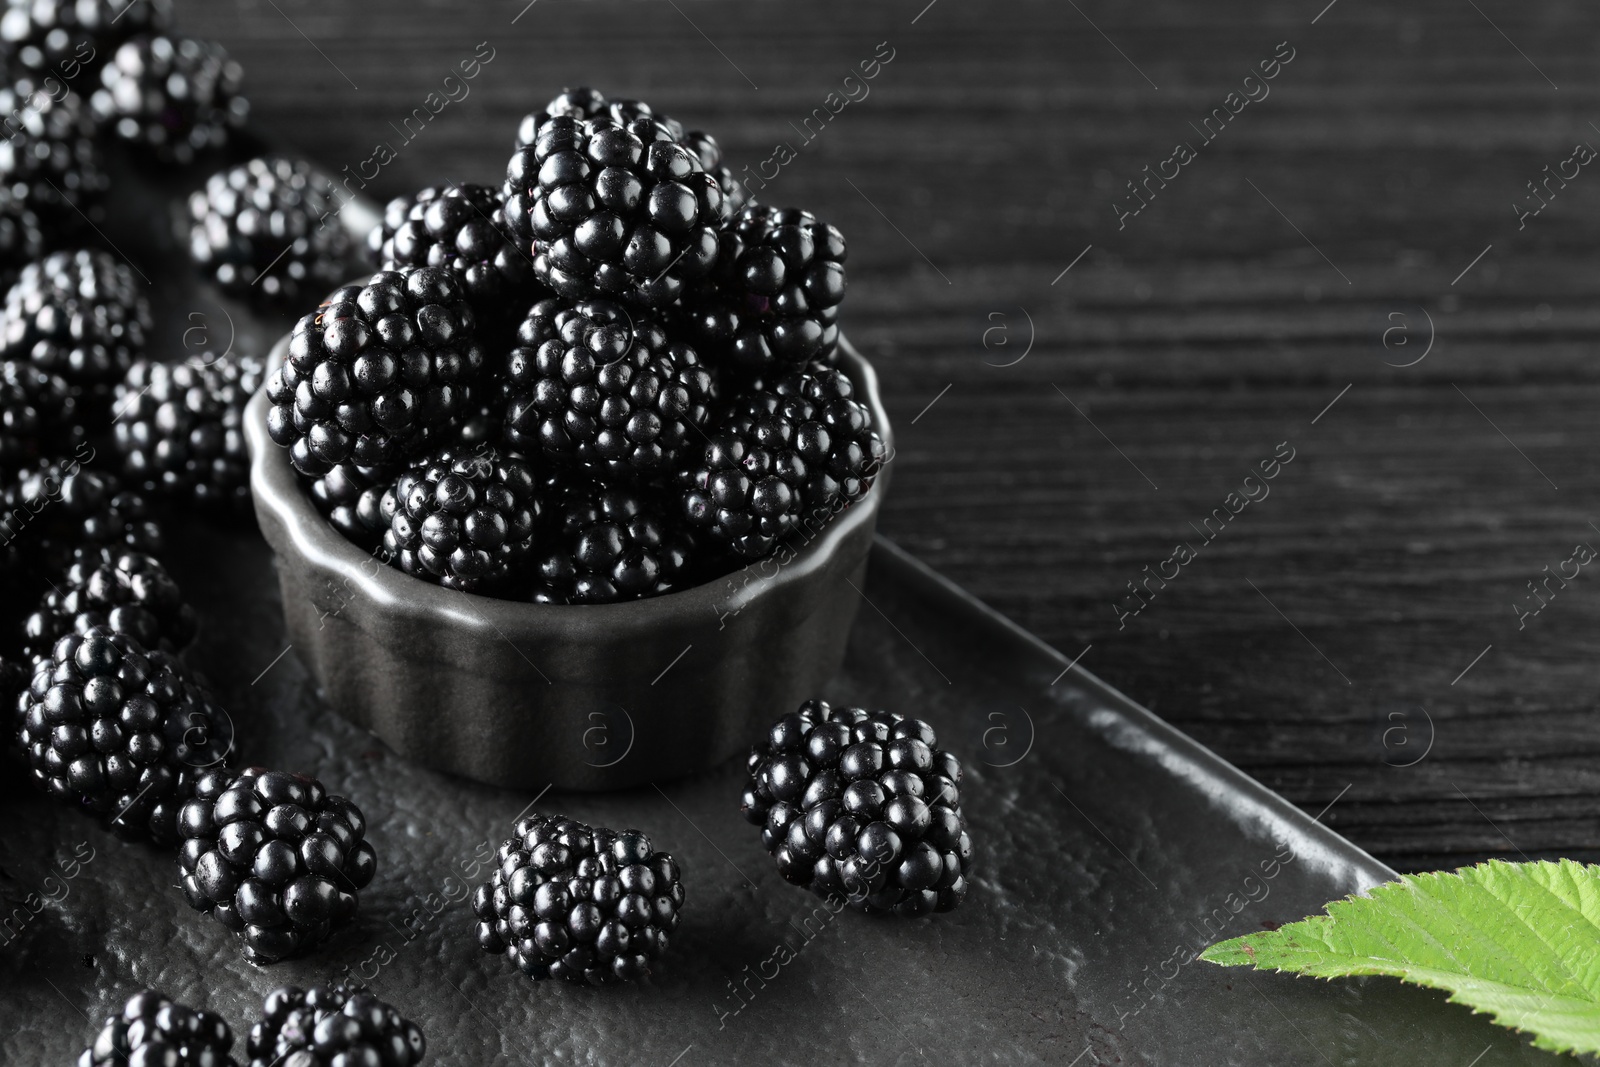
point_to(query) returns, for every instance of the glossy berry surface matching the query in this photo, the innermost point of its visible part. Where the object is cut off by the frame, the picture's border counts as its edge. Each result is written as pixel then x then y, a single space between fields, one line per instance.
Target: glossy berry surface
pixel 82 315
pixel 120 731
pixel 861 806
pixel 465 520
pixel 55 509
pixel 269 229
pixel 782 462
pixel 49 159
pixel 38 416
pixel 610 543
pixel 65 37
pixel 376 372
pixel 582 904
pixel 180 428
pixel 154 1031
pixel 273 857
pixel 341 1025
pixel 126 592
pixel 171 97
pixel 594 385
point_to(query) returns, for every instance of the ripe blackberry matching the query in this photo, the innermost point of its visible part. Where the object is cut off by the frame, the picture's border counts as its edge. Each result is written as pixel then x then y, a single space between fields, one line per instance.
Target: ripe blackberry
pixel 120 731
pixel 127 592
pixel 587 905
pixel 376 372
pixel 63 38
pixel 352 499
pixel 172 97
pixel 609 209
pixel 610 543
pixel 82 315
pixel 273 857
pixel 38 416
pixel 774 299
pixel 153 1030
pixel 593 385
pixel 58 508
pixel 262 228
pixel 460 227
pixel 861 805
pixel 782 460
pixel 464 520
pixel 341 1025
pixel 179 427
pixel 49 160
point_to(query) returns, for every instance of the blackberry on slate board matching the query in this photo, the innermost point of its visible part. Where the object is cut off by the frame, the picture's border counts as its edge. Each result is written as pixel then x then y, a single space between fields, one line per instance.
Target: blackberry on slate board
pixel 611 543
pixel 127 592
pixel 274 858
pixel 65 37
pixel 595 385
pixel 48 158
pixel 613 210
pixel 266 228
pixel 171 97
pixel 341 1025
pixel 774 302
pixel 783 460
pixel 862 806
pixel 38 416
pixel 120 731
pixel 376 372
pixel 153 1031
pixel 466 520
pixel 179 427
pixel 81 314
pixel 587 905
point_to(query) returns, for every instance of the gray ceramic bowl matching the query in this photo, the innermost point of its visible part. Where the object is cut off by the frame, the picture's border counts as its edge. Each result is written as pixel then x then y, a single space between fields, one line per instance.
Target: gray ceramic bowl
pixel 589 697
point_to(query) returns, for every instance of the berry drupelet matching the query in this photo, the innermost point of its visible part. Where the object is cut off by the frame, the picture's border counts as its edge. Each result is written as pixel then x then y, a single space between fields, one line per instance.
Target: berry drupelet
pixel 774 301
pixel 82 315
pixel 616 210
pixel 353 498
pixel 274 858
pixel 587 905
pixel 57 509
pixel 38 417
pixel 153 1031
pixel 179 428
pixel 610 543
pixel 376 372
pixel 784 459
pixel 49 160
pixel 120 731
pixel 466 520
pixel 460 227
pixel 593 385
pixel 341 1025
pixel 171 97
pixel 126 592
pixel 862 806
pixel 65 37
pixel 263 228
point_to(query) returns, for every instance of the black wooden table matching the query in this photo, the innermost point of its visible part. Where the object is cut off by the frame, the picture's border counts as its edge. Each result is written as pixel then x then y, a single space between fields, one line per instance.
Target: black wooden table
pixel 1090 337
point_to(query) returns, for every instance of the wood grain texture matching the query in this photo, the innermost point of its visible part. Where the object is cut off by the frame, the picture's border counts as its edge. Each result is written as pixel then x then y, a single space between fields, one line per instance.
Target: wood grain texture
pixel 1177 353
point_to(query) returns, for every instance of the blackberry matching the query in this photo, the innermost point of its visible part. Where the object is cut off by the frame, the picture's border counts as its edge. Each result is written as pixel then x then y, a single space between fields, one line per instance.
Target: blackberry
pixel 783 460
pixel 82 315
pixel 49 160
pixel 153 1030
pixel 464 520
pixel 120 731
pixel 179 427
pixel 774 299
pixel 863 806
pixel 171 97
pixel 64 37
pixel 38 416
pixel 352 498
pixel 463 228
pixel 273 857
pixel 610 543
pixel 22 237
pixel 263 228
pixel 376 372
pixel 594 385
pixel 587 905
pixel 609 209
pixel 127 592
pixel 341 1025
pixel 58 508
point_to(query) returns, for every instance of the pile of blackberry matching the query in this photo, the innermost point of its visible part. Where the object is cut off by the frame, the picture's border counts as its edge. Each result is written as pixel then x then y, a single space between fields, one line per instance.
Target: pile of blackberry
pixel 172 98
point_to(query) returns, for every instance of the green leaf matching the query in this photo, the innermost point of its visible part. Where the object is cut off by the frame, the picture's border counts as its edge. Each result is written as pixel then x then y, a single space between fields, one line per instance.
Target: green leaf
pixel 1518 941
